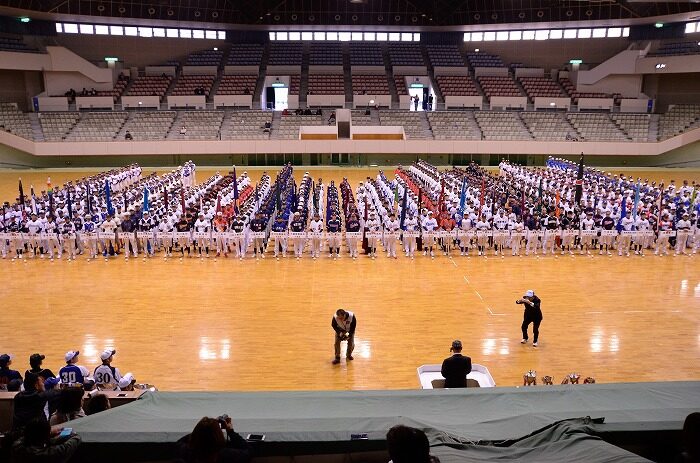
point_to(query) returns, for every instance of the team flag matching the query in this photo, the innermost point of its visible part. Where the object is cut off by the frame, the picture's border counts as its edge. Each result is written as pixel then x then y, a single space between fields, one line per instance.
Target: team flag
pixel 70 206
pixel 403 206
pixel 165 197
pixel 235 186
pixel 579 182
pixel 623 213
pixel 21 195
pixel 146 205
pixel 49 190
pixel 463 196
pixel 108 198
pixel 636 201
pixel 31 193
pixel 557 211
pixel 218 204
pixel 182 199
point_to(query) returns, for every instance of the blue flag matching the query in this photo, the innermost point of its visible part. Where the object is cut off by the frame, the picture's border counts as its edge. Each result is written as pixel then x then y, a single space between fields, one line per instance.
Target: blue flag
pixel 235 186
pixel 108 197
pixel 146 206
pixel 463 196
pixel 623 213
pixel 70 206
pixel 636 202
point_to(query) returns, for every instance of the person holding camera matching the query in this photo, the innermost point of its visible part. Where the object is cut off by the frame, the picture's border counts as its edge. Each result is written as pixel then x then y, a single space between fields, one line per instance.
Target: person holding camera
pixel 208 444
pixel 532 314
pixel 344 323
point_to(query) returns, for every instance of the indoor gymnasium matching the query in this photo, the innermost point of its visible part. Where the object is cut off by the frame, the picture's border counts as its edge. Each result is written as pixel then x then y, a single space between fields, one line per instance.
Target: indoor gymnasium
pixel 343 231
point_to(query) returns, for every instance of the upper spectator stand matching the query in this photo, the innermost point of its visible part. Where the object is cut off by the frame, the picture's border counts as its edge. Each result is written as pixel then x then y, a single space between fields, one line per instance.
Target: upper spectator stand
pixel 245 54
pixel 445 55
pixel 405 54
pixel 325 54
pixel 677 48
pixel 484 60
pixel 205 58
pixel 366 54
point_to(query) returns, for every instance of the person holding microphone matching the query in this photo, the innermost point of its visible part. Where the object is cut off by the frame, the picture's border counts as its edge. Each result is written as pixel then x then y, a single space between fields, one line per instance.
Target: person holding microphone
pixel 532 314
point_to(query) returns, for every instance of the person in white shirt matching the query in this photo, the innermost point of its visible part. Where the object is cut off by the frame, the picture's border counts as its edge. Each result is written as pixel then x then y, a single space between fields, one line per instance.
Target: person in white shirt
pixel 316 230
pixel 516 229
pixel 683 230
pixel 372 226
pixel 52 242
pixel 642 241
pixel 106 374
pixel 587 223
pixel 410 224
pixel 108 228
pixel 391 227
pixel 465 227
pixel 500 226
pixel 34 227
pixel 482 239
pixel 429 227
pixel 202 225
pixel 624 241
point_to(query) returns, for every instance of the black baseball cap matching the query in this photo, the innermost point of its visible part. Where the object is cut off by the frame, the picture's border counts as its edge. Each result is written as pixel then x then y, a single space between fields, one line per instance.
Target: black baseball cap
pixel 35 359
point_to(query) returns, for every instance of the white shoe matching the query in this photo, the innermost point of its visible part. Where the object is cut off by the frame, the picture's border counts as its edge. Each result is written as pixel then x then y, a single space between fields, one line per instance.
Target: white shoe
pixel 523 341
pixel 534 344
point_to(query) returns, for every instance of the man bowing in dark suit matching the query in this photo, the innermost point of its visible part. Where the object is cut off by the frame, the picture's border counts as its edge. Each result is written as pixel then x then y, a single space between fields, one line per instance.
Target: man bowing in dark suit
pixel 456 367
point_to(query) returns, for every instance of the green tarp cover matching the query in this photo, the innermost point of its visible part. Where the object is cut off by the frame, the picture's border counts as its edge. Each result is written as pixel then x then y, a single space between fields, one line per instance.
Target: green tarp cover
pixel 477 416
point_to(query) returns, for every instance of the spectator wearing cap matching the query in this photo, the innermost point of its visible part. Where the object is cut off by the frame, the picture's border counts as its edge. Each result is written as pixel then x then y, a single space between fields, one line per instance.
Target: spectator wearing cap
pixel 72 373
pixel 6 374
pixel 532 314
pixel 456 367
pixel 127 382
pixel 29 404
pixel 106 374
pixel 42 444
pixel 35 361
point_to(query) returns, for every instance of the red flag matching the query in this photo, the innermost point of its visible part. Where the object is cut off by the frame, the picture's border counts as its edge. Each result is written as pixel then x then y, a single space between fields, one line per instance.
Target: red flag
pixel 483 194
pixel 182 198
pixel 218 204
pixel 556 205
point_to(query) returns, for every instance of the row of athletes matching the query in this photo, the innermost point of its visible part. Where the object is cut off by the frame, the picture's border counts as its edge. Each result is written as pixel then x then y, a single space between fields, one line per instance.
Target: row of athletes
pixel 547 233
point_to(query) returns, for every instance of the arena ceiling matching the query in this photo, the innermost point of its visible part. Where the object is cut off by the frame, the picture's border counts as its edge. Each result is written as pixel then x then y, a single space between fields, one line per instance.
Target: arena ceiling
pixel 360 12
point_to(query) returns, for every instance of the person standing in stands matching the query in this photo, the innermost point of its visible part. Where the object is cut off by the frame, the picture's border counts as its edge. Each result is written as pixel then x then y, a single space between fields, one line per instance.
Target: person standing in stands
pixel 344 324
pixel 532 314
pixel 456 367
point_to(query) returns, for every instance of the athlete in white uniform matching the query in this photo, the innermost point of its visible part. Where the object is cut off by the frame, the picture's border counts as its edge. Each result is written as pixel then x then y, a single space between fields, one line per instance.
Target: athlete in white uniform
pixel 482 226
pixel 587 223
pixel 202 225
pixel 624 240
pixel 429 226
pixel 52 230
pixel 108 228
pixel 316 230
pixel 642 242
pixel 500 225
pixel 410 224
pixel 34 227
pixel 683 231
pixel 372 226
pixel 391 228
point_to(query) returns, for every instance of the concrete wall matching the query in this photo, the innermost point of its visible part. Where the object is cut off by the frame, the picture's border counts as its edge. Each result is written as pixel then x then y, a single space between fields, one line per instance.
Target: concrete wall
pixel 19 87
pixel 133 51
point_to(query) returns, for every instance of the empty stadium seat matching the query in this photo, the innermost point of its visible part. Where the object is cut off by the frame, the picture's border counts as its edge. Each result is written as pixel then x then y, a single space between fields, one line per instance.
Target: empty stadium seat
pixel 237 85
pixel 499 86
pixel 445 55
pixel 370 85
pixel 326 84
pixel 456 86
pixel 366 54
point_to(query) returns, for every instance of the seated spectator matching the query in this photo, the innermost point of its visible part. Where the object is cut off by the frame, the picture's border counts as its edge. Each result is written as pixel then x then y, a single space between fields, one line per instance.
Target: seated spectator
pixel 267 127
pixel 691 438
pixel 408 445
pixel 53 394
pixel 106 374
pixel 72 373
pixel 42 444
pixel 70 406
pixel 84 92
pixel 246 90
pixel 29 404
pixel 127 136
pixel 35 361
pixel 331 119
pixel 207 444
pixel 6 374
pixel 98 403
pixel 93 92
pixel 127 382
pixel 183 130
pixel 14 386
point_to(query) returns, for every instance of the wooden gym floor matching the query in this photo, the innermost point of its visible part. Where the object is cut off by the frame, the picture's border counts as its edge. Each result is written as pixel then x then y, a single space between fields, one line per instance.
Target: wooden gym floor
pixel 265 325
